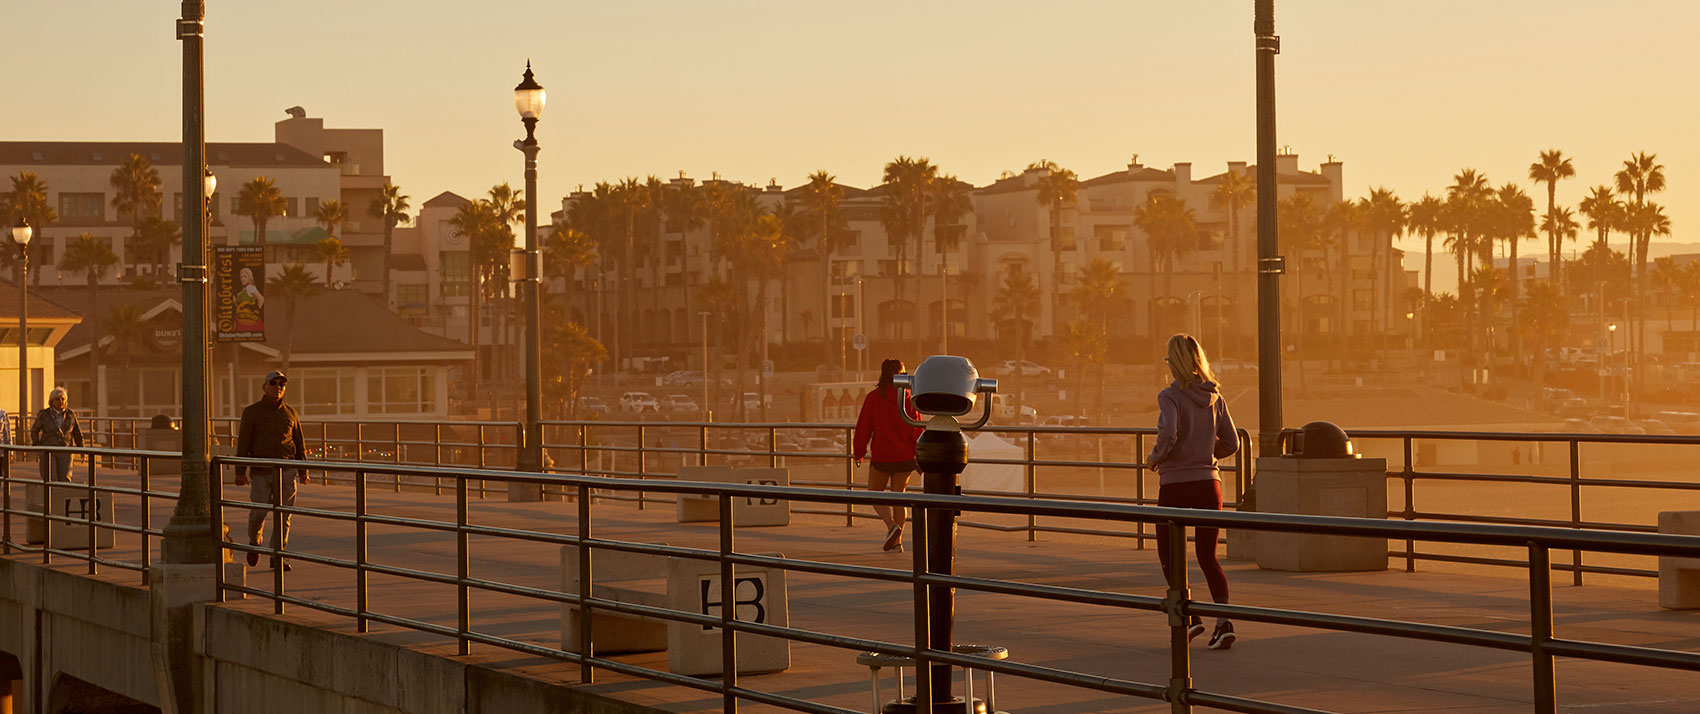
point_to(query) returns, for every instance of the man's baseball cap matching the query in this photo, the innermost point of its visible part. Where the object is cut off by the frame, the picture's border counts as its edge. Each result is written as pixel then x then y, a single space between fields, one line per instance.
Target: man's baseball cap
pixel 274 374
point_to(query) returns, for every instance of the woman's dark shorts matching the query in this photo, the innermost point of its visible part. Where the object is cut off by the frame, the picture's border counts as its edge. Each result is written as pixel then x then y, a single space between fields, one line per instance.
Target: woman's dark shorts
pixel 896 467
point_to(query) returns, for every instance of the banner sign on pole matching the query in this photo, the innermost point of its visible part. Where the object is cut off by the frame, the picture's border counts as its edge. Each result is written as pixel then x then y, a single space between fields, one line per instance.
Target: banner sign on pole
pixel 239 305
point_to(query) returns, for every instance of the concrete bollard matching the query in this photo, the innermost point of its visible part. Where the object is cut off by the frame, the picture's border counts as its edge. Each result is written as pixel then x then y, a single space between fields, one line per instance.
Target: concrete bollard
pixel 1350 487
pixel 1679 578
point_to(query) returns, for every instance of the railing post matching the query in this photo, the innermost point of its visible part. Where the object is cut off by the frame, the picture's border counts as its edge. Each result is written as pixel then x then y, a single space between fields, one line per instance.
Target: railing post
pixel 215 509
pixel 642 435
pixel 277 539
pixel 6 504
pixel 702 446
pixel 93 516
pixel 923 614
pixel 1139 485
pixel 360 601
pixel 437 457
pixel 481 462
pixel 46 518
pixel 1410 508
pixel 1180 662
pixel 1540 628
pixel 772 447
pixel 462 564
pixel 1032 485
pixel 728 591
pixel 395 451
pixel 142 469
pixel 1575 509
pixel 586 645
pixel 849 475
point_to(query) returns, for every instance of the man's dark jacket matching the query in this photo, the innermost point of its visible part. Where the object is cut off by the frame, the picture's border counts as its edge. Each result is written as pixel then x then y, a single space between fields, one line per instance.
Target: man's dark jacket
pixel 270 430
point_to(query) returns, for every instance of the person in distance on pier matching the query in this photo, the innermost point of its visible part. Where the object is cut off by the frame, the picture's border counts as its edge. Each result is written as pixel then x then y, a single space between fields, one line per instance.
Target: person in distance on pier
pixel 881 425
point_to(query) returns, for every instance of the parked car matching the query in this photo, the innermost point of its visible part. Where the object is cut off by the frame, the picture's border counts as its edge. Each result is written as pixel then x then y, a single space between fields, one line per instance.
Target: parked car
pixel 592 407
pixel 1681 422
pixel 681 403
pixel 1616 425
pixel 753 401
pixel 635 402
pixel 1579 426
pixel 1028 369
pixel 1655 426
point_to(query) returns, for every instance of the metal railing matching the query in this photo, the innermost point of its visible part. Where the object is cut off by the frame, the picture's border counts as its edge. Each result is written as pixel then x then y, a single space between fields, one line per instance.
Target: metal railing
pixel 1542 643
pixel 1403 468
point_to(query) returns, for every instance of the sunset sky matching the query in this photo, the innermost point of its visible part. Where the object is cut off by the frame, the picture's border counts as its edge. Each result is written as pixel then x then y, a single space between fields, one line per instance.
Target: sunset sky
pixel 1405 94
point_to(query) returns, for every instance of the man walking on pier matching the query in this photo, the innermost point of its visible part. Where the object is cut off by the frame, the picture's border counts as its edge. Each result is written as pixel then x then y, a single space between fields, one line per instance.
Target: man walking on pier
pixel 270 429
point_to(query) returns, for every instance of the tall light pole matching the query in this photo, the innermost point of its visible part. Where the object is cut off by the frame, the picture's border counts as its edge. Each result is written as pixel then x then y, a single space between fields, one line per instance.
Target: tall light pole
pixel 529 99
pixel 1611 333
pixel 1269 264
pixel 189 537
pixel 21 234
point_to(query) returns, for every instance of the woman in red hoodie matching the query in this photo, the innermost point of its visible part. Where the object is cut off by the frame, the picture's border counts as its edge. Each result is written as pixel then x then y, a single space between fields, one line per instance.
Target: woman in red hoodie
pixel 881 423
pixel 1193 431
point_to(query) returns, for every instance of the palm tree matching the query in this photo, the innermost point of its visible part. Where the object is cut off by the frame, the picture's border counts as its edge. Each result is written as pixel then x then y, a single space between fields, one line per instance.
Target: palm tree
pixel 1236 191
pixel 1666 278
pixel 1300 228
pixel 571 353
pixel 92 257
pixel 910 183
pixel 260 200
pixel 1550 169
pixel 28 201
pixel 389 206
pixel 1171 231
pixel 1055 192
pixel 135 185
pixel 155 237
pixel 331 214
pixel 1604 213
pixel 1546 316
pixel 953 201
pixel 1341 220
pixel 1468 201
pixel 770 248
pixel 565 250
pixel 1515 214
pixel 474 220
pixel 1560 225
pixel 686 211
pixel 291 286
pixel 331 250
pixel 1385 216
pixel 1099 291
pixel 1641 174
pixel 1425 216
pixel 721 298
pixel 1689 284
pixel 1014 307
pixel 128 332
pixel 820 197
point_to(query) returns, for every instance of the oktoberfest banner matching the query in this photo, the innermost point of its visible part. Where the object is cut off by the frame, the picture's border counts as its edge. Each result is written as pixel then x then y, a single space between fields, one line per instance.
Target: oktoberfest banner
pixel 239 305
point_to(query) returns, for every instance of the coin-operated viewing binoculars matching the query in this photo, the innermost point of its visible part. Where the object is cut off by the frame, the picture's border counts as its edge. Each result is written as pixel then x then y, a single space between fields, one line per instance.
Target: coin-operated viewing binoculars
pixel 943 388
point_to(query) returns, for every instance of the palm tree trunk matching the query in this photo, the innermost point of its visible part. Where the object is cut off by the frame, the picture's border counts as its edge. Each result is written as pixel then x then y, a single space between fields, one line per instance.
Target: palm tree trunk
pixel 389 248
pixel 1428 277
pixel 1516 339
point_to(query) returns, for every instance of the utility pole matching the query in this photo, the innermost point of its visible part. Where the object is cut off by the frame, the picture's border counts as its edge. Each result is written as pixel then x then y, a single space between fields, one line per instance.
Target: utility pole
pixel 1269 262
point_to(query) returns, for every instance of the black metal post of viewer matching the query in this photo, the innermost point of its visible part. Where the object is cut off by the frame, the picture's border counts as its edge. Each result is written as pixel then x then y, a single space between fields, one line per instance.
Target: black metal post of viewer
pixel 943 388
pixel 529 99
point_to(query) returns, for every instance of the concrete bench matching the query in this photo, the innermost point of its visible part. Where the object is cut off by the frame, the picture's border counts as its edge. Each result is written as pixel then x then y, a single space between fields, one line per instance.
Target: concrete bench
pixel 747 510
pixel 684 584
pixel 69 500
pixel 1679 578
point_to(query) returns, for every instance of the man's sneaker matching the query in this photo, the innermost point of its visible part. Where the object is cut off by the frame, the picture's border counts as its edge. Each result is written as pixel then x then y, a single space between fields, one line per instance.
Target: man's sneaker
pixel 253 559
pixel 1223 637
pixel 894 538
pixel 1195 629
pixel 281 563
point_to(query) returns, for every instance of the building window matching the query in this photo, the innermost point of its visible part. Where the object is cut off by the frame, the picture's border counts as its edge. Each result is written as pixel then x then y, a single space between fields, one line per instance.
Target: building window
pixel 82 206
pixel 400 390
pixel 1110 238
pixel 312 207
pixel 1065 237
pixel 844 306
pixel 411 294
pixel 849 240
pixel 289 205
pixel 456 273
pixel 323 392
pixel 1363 299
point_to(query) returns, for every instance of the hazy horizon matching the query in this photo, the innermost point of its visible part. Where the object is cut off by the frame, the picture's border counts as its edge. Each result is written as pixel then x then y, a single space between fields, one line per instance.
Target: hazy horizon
pixel 755 90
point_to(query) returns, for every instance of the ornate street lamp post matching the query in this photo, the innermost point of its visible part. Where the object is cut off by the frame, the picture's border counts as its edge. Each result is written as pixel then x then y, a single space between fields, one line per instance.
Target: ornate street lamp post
pixel 21 234
pixel 189 537
pixel 529 99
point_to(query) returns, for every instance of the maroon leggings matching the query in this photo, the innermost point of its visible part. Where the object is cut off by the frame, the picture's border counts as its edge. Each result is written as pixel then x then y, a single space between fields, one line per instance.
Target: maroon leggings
pixel 1207 495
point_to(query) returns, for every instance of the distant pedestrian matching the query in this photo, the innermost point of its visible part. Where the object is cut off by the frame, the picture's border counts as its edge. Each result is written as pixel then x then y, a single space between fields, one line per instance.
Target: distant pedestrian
pixel 881 424
pixel 1193 431
pixel 270 429
pixel 6 431
pixel 56 426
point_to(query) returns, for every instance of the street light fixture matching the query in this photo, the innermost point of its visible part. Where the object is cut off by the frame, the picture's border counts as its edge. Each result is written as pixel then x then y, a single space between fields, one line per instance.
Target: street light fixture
pixel 529 99
pixel 21 234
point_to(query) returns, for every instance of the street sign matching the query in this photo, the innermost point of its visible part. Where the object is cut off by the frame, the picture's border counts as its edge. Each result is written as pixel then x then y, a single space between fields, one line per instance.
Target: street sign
pixel 766 369
pixel 860 341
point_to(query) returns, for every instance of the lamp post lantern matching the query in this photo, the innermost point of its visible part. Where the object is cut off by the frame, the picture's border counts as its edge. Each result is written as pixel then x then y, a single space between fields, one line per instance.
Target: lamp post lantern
pixel 529 99
pixel 21 234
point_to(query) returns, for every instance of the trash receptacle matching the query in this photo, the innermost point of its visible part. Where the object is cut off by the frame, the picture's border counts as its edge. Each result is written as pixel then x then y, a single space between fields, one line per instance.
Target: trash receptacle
pixel 1322 478
pixel 162 435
